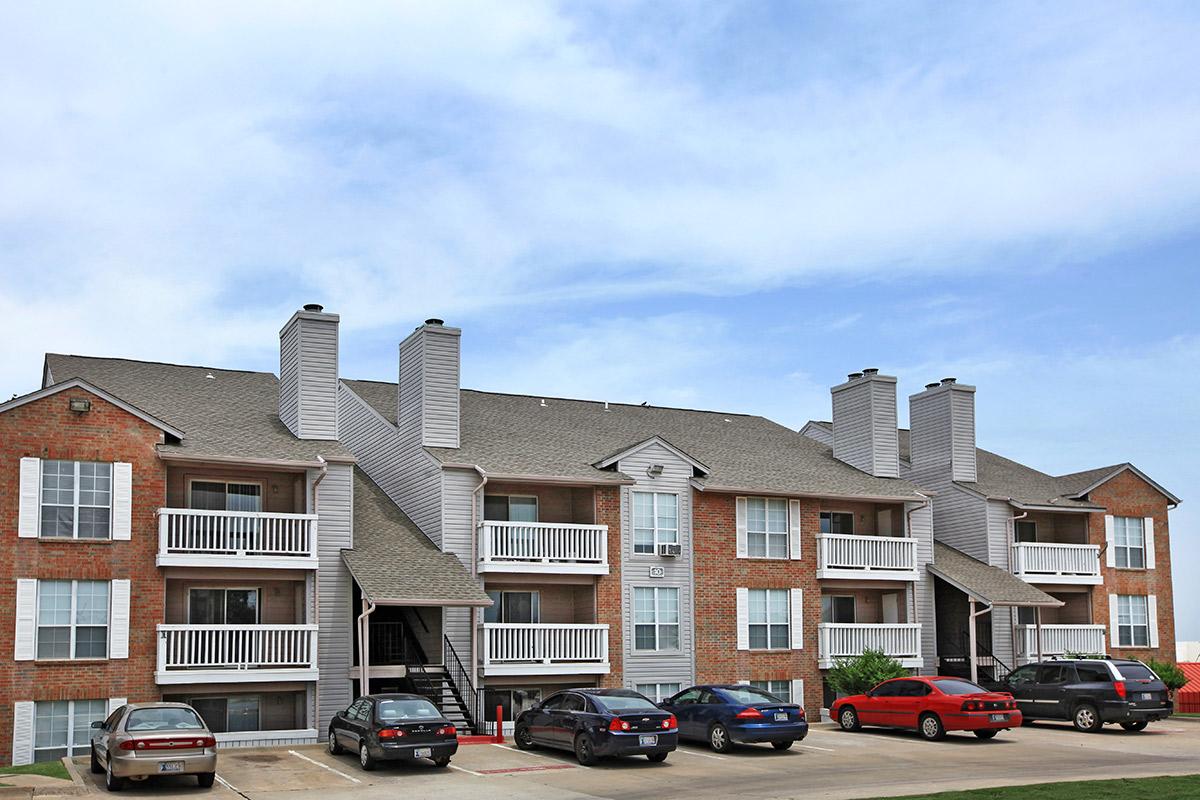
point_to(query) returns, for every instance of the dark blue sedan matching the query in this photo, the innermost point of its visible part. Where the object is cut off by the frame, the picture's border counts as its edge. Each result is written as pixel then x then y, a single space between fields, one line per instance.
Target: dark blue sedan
pixel 595 723
pixel 736 714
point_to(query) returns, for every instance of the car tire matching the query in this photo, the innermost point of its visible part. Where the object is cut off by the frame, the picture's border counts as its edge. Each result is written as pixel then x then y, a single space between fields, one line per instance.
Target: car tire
pixel 657 758
pixel 523 738
pixel 1086 718
pixel 848 719
pixel 931 728
pixel 365 759
pixel 1140 725
pixel 206 779
pixel 782 745
pixel 585 751
pixel 718 739
pixel 111 782
pixel 986 734
pixel 441 761
pixel 96 768
pixel 335 748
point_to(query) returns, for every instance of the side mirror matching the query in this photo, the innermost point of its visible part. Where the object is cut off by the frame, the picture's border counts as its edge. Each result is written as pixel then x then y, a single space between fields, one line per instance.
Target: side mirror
pixel 97 724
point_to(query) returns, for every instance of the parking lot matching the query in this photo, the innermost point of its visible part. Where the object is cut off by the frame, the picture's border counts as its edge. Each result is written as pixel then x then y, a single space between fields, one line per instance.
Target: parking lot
pixel 828 764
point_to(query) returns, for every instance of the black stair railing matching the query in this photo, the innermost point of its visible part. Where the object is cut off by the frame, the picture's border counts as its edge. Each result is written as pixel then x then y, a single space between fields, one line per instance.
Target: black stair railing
pixel 464 691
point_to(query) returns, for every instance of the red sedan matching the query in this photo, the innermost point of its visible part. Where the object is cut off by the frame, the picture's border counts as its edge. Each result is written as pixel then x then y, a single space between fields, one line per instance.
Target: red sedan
pixel 930 705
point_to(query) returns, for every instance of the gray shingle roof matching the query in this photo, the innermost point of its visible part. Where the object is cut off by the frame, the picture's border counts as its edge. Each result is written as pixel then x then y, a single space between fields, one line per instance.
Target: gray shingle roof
pixel 393 562
pixel 233 413
pixel 516 435
pixel 986 583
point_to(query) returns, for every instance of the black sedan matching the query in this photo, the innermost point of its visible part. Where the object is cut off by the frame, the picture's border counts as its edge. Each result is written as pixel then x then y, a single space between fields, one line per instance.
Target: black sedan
pixel 393 727
pixel 595 723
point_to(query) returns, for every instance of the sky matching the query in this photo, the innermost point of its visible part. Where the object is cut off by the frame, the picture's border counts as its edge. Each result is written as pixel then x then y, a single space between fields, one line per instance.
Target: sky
pixel 717 205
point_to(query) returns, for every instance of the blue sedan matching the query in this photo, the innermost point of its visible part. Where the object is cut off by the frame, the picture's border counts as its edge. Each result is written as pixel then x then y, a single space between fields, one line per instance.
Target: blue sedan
pixel 736 714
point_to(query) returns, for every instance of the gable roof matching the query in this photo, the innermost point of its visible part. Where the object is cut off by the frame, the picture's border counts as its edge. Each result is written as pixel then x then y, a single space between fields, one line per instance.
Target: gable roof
pixel 1084 482
pixel 78 383
pixel 520 435
pixel 223 412
pixel 985 583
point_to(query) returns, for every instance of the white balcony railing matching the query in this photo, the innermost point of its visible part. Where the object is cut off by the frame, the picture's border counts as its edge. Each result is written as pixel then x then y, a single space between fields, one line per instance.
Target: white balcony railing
pixel 879 557
pixel 194 537
pixel 901 641
pixel 1039 562
pixel 1058 640
pixel 187 653
pixel 544 649
pixel 543 547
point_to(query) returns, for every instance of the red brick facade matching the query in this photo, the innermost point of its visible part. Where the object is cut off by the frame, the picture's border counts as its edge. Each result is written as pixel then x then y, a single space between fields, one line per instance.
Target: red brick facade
pixel 608 587
pixel 45 428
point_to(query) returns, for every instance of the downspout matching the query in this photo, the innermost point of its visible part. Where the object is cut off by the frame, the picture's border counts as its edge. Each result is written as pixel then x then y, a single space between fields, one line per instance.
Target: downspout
pixel 316 610
pixel 1013 616
pixel 364 649
pixel 483 479
pixel 908 529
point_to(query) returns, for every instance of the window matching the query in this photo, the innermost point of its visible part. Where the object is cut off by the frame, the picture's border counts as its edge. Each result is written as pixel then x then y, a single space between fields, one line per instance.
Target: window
pixel 655 618
pixel 72 618
pixel 515 607
pixel 780 689
pixel 76 499
pixel 655 520
pixel 163 719
pixel 511 701
pixel 64 727
pixel 1093 673
pixel 223 607
pixel 910 689
pixel 658 691
pixel 1025 530
pixel 1052 673
pixel 837 522
pixel 1133 621
pixel 510 508
pixel 768 619
pixel 1023 675
pixel 226 496
pixel 766 528
pixel 958 686
pixel 396 710
pixel 837 608
pixel 1130 542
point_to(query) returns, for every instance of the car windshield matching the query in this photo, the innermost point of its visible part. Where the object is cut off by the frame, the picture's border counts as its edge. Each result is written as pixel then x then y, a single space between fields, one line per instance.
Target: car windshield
pixel 163 719
pixel 394 710
pixel 954 686
pixel 1135 672
pixel 748 695
pixel 623 703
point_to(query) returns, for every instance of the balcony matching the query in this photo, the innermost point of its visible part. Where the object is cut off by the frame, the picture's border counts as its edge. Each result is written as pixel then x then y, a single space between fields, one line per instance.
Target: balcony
pixel 1038 562
pixel 195 538
pixel 901 641
pixel 236 653
pixel 1059 640
pixel 881 558
pixel 543 547
pixel 544 649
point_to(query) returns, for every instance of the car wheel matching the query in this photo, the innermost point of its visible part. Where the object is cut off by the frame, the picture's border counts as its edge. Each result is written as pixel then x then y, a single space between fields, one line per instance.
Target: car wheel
pixel 782 745
pixel 441 761
pixel 657 758
pixel 523 738
pixel 1087 718
pixel 335 749
pixel 718 739
pixel 931 727
pixel 986 734
pixel 365 759
pixel 205 779
pixel 1135 726
pixel 585 753
pixel 112 782
pixel 848 719
pixel 96 768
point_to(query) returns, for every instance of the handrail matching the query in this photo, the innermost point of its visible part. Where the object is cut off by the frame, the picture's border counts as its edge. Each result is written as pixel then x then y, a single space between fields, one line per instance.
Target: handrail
pixel 460 679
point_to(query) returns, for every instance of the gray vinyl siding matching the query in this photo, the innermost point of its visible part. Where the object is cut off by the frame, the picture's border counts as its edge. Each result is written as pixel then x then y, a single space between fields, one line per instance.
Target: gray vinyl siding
pixel 458 487
pixel 963 440
pixel 672 667
pixel 921 529
pixel 308 376
pixel 429 386
pixel 1002 640
pixel 405 472
pixel 943 432
pixel 289 376
pixel 335 503
pixel 998 515
pixel 960 520
pixel 818 432
pixel 864 426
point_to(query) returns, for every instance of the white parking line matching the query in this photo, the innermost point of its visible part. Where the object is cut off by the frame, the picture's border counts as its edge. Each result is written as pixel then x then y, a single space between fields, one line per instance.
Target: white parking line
pixel 518 750
pixel 701 755
pixel 468 771
pixel 814 747
pixel 228 785
pixel 325 766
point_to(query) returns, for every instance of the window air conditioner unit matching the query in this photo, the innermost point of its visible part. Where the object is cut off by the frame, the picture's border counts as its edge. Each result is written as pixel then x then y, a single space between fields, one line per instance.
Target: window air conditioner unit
pixel 670 550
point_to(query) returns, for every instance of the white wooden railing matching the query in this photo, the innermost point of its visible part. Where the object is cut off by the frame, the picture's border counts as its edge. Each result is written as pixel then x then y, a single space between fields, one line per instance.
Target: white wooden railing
pixel 846 640
pixel 1058 640
pixel 865 554
pixel 543 546
pixel 194 532
pixel 1044 561
pixel 541 643
pixel 236 647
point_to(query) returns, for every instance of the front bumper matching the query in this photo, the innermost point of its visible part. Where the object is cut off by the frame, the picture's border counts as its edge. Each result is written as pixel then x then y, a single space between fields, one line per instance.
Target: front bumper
pixel 753 733
pixel 1128 712
pixel 982 720
pixel 612 743
pixel 131 766
pixel 406 751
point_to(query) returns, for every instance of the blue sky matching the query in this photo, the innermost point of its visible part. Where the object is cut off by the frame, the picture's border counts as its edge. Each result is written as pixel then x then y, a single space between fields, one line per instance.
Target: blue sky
pixel 713 205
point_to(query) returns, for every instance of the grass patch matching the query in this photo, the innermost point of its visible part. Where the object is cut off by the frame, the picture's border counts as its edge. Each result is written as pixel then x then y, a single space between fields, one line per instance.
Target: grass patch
pixel 51 769
pixel 1183 787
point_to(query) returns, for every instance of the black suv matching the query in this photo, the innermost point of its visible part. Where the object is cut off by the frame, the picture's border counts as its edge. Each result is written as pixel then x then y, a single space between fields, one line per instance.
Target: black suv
pixel 1090 692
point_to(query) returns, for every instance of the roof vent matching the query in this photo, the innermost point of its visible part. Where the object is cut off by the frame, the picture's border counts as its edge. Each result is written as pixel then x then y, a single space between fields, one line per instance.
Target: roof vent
pixel 854 375
pixel 932 385
pixel 435 321
pixel 948 381
pixel 871 371
pixel 543 403
pixel 315 307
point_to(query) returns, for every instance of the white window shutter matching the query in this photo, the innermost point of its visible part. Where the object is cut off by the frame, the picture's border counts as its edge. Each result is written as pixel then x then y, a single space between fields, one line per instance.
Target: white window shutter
pixel 796 627
pixel 114 703
pixel 31 490
pixel 794 528
pixel 798 692
pixel 743 618
pixel 122 497
pixel 743 681
pixel 1110 550
pixel 1148 530
pixel 118 620
pixel 741 526
pixel 22 733
pixel 1112 621
pixel 25 648
pixel 1152 617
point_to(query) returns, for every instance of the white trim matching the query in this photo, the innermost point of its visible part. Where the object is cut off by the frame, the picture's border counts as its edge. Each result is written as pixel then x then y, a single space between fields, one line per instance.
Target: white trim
pixel 118 618
pixel 1152 618
pixel 25 637
pixel 654 494
pixel 743 617
pixel 76 383
pixel 22 741
pixel 740 523
pixel 1114 637
pixel 658 440
pixel 794 530
pixel 1110 541
pixel 121 501
pixel 30 512
pixel 265 738
pixel 116 702
pixel 796 619
pixel 1148 541
pixel 253 562
pixel 176 676
pixel 537 668
pixel 798 691
pixel 1135 471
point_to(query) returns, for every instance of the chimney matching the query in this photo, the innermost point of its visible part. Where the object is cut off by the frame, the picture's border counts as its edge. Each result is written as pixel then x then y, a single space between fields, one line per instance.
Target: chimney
pixel 308 373
pixel 864 423
pixel 942 419
pixel 427 400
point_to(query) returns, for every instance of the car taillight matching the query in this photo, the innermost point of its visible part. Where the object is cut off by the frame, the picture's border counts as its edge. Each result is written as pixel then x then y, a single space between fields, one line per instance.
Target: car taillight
pixel 749 713
pixel 971 705
pixel 618 724
pixel 670 722
pixel 800 713
pixel 1120 687
pixel 447 730
pixel 167 744
pixel 207 741
pixel 392 733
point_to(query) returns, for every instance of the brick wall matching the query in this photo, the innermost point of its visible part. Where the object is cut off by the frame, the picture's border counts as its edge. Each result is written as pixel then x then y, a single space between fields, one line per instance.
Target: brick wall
pixel 45 428
pixel 608 587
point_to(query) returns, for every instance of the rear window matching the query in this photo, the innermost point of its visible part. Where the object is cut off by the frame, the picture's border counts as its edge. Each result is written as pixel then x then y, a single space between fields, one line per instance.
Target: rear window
pixel 951 686
pixel 396 710
pixel 1135 672
pixel 1093 673
pixel 163 719
pixel 621 704
pixel 749 696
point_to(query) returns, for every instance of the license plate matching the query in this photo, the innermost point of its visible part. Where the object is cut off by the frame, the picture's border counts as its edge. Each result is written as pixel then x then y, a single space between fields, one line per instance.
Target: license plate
pixel 1147 696
pixel 998 717
pixel 170 766
pixel 648 741
pixel 423 752
pixel 781 716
